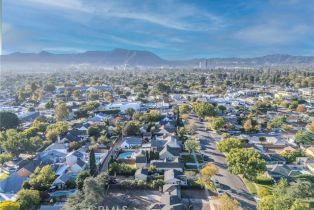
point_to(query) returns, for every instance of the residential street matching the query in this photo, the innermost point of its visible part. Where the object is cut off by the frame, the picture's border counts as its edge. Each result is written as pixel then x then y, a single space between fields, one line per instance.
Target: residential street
pixel 229 183
pixel 104 166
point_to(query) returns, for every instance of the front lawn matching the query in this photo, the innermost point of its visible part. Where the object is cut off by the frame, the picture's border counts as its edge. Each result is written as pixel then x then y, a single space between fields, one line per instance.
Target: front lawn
pixel 190 158
pixel 262 185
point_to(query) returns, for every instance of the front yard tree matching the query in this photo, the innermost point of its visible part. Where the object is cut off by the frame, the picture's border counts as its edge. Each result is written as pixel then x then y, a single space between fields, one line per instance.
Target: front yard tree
pixel 80 179
pixel 304 137
pixel 92 193
pixel 8 120
pixel 217 123
pixel 221 108
pixel 131 129
pixel 130 111
pixel 203 109
pixel 227 203
pixel 184 109
pixel 42 178
pixel 28 199
pixel 288 196
pixel 93 131
pixel 192 145
pixel 61 111
pixel 246 162
pixel 209 170
pixel 248 127
pixel 227 144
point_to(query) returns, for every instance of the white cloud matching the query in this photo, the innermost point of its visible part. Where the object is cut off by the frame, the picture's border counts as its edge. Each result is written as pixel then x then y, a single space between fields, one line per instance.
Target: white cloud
pixel 75 5
pixel 168 14
pixel 271 33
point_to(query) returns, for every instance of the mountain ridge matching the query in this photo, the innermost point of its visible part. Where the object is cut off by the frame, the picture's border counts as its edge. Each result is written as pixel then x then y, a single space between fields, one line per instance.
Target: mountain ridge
pixel 120 56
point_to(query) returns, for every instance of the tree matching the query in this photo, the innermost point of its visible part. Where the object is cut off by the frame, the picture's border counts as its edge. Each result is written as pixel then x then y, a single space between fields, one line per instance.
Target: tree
pixel 92 194
pixel 49 87
pixel 293 105
pixel 16 142
pixel 192 145
pixel 80 179
pixel 28 199
pixel 304 137
pixel 300 108
pixel 209 170
pixel 227 144
pixel 222 108
pixel 73 146
pixel 42 178
pixel 288 196
pixel 92 163
pixel 93 131
pixel 216 123
pixel 49 105
pixel 311 126
pixel 246 162
pixel 190 127
pixel 227 203
pixel 61 111
pixel 8 120
pixel 203 109
pixel 9 205
pixel 131 128
pixel 248 127
pixel 76 94
pixel 291 156
pixel 5 157
pixel 152 116
pixel 130 111
pixel 52 134
pixel 184 109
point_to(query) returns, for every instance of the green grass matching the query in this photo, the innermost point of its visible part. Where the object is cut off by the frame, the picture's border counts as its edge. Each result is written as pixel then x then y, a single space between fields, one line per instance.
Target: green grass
pixel 190 158
pixel 250 185
pixel 261 184
pixel 3 176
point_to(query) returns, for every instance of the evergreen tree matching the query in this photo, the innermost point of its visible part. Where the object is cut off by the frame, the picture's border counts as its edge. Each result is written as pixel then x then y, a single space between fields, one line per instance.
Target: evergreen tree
pixel 92 163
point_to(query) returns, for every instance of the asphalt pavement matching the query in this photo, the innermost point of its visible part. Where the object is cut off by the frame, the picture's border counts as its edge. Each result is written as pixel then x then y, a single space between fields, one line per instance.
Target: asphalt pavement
pixel 228 183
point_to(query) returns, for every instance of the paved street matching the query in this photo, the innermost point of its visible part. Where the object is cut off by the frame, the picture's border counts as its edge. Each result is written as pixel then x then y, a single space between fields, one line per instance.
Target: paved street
pixel 229 183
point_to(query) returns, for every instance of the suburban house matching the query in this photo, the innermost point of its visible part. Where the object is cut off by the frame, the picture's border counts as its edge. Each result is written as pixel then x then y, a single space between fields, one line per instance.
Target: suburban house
pixel 131 142
pixel 174 176
pixel 141 161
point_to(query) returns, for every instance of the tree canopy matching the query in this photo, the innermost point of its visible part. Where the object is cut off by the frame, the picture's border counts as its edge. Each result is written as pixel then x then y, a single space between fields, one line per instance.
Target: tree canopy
pixel 246 162
pixel 204 109
pixel 227 144
pixel 8 120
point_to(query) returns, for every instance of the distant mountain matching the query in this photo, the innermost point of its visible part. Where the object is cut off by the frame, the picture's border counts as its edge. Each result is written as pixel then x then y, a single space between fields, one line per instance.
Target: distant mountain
pixel 110 58
pixel 119 57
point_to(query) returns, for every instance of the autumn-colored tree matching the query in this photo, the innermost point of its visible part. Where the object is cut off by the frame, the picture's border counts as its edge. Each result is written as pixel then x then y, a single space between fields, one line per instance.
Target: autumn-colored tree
pixel 311 126
pixel 185 117
pixel 209 170
pixel 300 108
pixel 227 203
pixel 61 112
pixel 248 125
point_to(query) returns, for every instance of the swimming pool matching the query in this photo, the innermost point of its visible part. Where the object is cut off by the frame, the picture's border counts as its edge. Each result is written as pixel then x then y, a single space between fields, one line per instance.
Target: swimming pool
pixel 125 155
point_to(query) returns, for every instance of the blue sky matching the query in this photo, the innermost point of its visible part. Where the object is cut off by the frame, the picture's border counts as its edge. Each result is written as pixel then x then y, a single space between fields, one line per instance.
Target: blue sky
pixel 172 29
